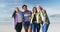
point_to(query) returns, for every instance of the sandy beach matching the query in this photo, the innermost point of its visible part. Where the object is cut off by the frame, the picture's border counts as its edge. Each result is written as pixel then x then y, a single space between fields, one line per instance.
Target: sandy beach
pixel 54 27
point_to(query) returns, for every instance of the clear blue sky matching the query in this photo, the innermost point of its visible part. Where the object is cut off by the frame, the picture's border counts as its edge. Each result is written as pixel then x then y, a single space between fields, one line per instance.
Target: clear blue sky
pixel 7 6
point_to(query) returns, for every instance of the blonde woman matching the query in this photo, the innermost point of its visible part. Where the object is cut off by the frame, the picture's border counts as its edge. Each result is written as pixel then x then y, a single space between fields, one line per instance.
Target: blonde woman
pixel 44 17
pixel 18 19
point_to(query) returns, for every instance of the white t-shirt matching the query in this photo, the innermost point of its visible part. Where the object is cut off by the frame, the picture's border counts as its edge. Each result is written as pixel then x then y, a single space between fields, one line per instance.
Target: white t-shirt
pixel 42 16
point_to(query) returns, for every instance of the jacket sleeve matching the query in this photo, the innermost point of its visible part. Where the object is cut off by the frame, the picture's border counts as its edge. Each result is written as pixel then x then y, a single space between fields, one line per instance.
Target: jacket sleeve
pixel 46 17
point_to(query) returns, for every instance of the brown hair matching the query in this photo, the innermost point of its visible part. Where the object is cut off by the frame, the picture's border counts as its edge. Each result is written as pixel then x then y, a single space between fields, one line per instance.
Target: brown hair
pixel 33 9
pixel 14 14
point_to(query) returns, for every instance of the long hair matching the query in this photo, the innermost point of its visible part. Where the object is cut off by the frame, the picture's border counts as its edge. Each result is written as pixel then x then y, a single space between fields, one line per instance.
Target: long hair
pixel 14 14
pixel 33 9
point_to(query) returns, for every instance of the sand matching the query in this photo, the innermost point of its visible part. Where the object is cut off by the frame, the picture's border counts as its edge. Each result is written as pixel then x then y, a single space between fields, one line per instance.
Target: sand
pixel 10 28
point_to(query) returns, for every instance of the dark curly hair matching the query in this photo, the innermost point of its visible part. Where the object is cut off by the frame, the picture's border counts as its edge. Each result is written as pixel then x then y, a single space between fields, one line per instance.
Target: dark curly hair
pixel 24 5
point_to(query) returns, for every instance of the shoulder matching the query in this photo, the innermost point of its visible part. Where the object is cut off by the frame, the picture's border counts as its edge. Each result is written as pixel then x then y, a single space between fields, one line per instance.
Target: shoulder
pixel 29 11
pixel 44 10
pixel 20 12
pixel 37 13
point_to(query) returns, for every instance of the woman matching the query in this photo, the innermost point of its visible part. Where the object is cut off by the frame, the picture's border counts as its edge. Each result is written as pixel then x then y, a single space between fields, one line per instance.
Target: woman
pixel 45 19
pixel 18 19
pixel 35 20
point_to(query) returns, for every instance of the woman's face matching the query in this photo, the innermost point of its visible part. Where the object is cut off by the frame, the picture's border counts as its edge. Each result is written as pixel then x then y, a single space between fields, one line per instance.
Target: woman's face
pixel 17 9
pixel 39 8
pixel 34 10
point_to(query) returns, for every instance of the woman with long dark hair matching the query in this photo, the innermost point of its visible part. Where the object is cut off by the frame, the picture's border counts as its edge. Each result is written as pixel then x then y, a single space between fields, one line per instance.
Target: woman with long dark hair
pixel 35 20
pixel 18 19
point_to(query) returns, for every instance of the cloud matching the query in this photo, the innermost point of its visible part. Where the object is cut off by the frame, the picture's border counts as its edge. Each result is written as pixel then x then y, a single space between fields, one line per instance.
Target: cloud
pixel 2 5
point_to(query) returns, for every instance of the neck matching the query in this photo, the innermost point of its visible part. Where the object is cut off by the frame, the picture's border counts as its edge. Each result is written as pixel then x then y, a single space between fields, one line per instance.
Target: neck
pixel 34 13
pixel 25 10
pixel 40 10
pixel 17 11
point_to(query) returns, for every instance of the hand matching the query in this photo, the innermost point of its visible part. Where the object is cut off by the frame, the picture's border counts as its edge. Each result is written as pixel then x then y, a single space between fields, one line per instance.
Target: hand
pixel 45 23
